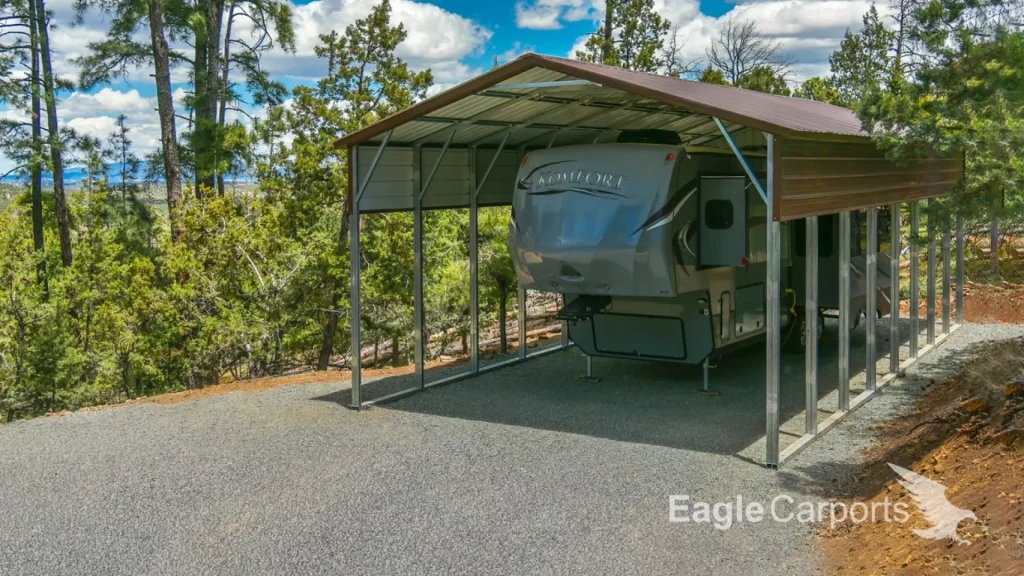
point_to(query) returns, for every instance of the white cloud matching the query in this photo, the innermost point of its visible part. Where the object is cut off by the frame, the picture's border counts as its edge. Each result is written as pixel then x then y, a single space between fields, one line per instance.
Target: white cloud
pixel 550 14
pixel 106 101
pixel 538 16
pixel 517 50
pixel 807 30
pixel 436 38
pixel 96 115
pixel 578 46
pixel 678 12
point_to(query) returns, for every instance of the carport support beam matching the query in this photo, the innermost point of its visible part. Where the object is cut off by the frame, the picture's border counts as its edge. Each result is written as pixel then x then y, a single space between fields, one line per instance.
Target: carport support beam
pixel 564 337
pixel 521 301
pixel 474 278
pixel 894 288
pixel 811 326
pixel 474 249
pixel 915 275
pixel 947 276
pixel 419 190
pixel 870 297
pixel 417 250
pixel 772 340
pixel 844 311
pixel 959 269
pixel 930 320
pixel 354 257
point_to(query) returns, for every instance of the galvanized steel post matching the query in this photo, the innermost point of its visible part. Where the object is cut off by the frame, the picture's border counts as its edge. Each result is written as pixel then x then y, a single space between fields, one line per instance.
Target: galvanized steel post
pixel 932 229
pixel 871 296
pixel 959 269
pixel 894 289
pixel 915 275
pixel 947 276
pixel 811 324
pixel 772 342
pixel 474 280
pixel 521 301
pixel 417 262
pixel 354 302
pixel 844 310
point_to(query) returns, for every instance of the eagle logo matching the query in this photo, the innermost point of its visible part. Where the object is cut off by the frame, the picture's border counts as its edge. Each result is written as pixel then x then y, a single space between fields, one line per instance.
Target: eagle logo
pixel 930 497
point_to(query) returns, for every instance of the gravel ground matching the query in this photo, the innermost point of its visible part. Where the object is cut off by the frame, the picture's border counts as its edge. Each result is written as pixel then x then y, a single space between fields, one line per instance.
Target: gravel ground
pixel 525 470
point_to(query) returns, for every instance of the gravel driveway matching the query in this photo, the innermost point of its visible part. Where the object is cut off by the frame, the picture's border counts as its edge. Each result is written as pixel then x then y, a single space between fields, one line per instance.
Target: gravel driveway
pixel 525 470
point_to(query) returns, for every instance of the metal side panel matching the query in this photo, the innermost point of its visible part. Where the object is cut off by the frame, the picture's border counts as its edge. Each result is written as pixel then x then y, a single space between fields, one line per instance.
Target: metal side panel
pixel 749 309
pixel 451 184
pixel 640 336
pixel 392 185
pixel 501 182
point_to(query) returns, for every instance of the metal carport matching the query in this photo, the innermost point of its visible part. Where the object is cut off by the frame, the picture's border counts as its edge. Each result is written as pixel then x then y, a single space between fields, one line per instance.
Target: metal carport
pixel 462 149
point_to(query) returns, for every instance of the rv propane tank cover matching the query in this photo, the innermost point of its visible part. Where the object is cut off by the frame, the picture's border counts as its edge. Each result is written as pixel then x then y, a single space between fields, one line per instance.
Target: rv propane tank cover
pixel 592 220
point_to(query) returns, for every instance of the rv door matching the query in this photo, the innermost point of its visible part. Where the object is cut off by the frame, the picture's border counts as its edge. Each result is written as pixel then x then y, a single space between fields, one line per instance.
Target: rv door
pixel 723 221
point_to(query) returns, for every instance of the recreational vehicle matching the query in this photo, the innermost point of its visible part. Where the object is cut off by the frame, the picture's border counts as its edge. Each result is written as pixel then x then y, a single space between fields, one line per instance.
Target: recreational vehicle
pixel 660 249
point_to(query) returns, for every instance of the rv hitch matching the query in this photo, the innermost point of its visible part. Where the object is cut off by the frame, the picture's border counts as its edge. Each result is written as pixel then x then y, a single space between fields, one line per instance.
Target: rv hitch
pixel 583 307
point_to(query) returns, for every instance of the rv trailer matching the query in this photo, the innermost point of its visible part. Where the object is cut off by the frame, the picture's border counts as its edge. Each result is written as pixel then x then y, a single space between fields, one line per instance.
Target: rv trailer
pixel 660 249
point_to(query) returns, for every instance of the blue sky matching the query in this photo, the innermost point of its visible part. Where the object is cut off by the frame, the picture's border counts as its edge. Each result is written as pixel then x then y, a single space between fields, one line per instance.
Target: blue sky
pixel 456 39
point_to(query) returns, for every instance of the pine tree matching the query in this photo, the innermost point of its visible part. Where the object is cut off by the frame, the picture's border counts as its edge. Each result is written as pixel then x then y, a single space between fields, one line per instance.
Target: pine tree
pixel 865 61
pixel 363 72
pixel 53 133
pixel 820 90
pixel 966 96
pixel 632 36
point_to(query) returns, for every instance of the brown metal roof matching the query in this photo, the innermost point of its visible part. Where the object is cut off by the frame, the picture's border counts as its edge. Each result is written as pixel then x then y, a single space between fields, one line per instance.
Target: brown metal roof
pixel 780 115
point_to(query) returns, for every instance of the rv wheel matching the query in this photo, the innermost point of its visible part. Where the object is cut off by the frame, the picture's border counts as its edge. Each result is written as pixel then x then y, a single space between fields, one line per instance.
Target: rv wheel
pixel 797 341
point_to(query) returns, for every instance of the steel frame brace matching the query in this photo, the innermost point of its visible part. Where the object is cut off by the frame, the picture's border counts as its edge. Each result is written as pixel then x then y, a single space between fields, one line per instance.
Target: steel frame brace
pixel 746 165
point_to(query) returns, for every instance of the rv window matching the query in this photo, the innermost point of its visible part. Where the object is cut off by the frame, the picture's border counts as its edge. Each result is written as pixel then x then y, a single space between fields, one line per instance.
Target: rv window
pixel 718 214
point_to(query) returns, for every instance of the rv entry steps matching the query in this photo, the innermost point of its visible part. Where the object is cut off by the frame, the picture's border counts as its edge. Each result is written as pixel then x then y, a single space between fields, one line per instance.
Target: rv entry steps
pixel 583 307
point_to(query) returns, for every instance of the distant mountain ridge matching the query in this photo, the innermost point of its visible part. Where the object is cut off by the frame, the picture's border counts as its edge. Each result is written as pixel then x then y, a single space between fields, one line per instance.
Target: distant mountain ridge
pixel 75 175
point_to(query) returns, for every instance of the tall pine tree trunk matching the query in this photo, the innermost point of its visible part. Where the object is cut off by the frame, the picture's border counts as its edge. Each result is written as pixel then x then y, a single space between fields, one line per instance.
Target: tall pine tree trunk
pixel 225 70
pixel 200 136
pixel 327 344
pixel 37 152
pixel 994 245
pixel 165 108
pixel 56 156
pixel 606 46
pixel 214 20
pixel 206 76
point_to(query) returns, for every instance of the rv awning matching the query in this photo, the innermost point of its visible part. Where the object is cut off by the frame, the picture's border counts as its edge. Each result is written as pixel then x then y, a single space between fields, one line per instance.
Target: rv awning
pixel 824 160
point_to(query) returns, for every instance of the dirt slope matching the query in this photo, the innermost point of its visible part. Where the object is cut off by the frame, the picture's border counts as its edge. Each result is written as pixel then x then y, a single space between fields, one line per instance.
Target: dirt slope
pixel 966 433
